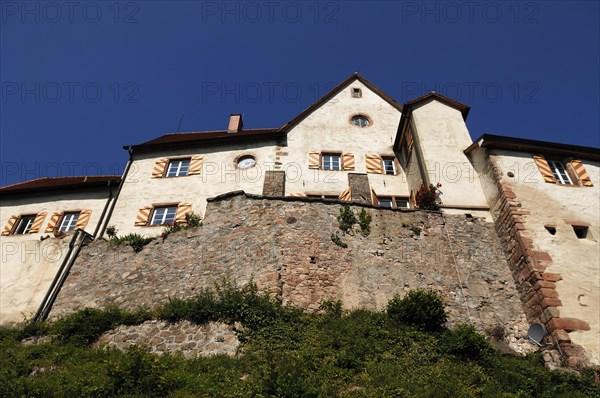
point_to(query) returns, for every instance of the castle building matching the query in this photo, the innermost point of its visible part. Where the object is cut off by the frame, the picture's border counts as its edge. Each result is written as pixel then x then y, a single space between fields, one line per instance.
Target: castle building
pixel 355 144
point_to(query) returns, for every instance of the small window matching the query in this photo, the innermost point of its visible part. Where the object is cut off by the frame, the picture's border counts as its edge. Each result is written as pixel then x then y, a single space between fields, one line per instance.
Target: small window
pixel 580 231
pixel 245 162
pixel 69 221
pixel 164 215
pixel 323 196
pixel 560 172
pixel 551 229
pixel 389 166
pixel 331 161
pixel 356 93
pixel 178 168
pixel 386 202
pixel 24 225
pixel 360 121
pixel 394 202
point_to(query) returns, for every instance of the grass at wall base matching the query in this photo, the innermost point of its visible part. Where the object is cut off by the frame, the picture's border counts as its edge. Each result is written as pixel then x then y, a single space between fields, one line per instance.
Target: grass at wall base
pixel 405 351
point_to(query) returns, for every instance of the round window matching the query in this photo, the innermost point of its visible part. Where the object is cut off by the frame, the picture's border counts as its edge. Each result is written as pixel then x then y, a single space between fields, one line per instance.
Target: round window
pixel 360 121
pixel 245 162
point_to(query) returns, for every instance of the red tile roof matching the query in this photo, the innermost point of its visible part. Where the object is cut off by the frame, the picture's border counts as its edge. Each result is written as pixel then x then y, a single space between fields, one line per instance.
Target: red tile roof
pixel 47 183
pixel 221 135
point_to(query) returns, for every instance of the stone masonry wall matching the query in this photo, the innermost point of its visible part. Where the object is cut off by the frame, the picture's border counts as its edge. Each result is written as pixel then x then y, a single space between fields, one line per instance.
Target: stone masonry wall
pixel 285 246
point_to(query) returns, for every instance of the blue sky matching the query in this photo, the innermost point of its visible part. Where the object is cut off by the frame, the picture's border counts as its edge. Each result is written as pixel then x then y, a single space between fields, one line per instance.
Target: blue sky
pixel 81 79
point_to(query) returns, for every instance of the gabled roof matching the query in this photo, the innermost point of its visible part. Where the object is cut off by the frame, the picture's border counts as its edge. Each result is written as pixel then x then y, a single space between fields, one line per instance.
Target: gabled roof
pixel 47 183
pixel 265 133
pixel 212 136
pixel 534 146
pixel 410 105
pixel 333 92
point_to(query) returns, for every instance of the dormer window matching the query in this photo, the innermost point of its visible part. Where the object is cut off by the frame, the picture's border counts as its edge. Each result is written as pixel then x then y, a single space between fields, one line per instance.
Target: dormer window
pixel 356 92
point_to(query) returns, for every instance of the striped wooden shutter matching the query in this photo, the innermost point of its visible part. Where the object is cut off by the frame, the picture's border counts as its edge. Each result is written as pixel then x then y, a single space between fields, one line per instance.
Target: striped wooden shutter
pixel 195 165
pixel 346 196
pixel 581 173
pixel 53 221
pixel 373 162
pixel 159 168
pixel 84 217
pixel 347 161
pixel 143 215
pixel 37 223
pixel 182 210
pixel 10 225
pixel 544 169
pixel 297 194
pixel 374 198
pixel 314 160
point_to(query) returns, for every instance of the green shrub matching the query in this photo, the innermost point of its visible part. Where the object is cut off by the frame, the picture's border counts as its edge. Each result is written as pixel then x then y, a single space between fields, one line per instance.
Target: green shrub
pixel 364 220
pixel 136 241
pixel 421 308
pixel 85 326
pixel 111 231
pixel 335 238
pixel 346 218
pixel 332 308
pixel 465 342
pixel 192 220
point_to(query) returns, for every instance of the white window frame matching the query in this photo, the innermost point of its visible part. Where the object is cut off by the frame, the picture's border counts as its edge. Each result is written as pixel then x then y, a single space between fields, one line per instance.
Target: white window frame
pixel 180 169
pixel 560 172
pixel 356 92
pixel 159 215
pixel 29 219
pixel 394 201
pixel 69 222
pixel 385 159
pixel 327 161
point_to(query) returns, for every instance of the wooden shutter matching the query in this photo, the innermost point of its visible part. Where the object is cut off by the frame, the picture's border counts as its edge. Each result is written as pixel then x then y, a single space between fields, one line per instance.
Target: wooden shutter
pixel 53 221
pixel 182 210
pixel 195 165
pixel 159 168
pixel 143 215
pixel 297 194
pixel 347 161
pixel 581 173
pixel 84 217
pixel 374 198
pixel 346 196
pixel 373 162
pixel 37 223
pixel 314 160
pixel 544 169
pixel 10 225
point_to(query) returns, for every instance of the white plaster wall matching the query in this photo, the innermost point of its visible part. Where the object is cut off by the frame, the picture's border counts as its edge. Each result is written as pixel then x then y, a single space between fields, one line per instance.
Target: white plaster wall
pixel 27 264
pixel 219 175
pixel 576 260
pixel 328 128
pixel 443 136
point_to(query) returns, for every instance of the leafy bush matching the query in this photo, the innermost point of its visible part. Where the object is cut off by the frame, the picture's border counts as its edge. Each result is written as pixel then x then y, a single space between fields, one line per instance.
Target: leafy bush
pixel 85 326
pixel 465 342
pixel 332 308
pixel 136 241
pixel 421 308
pixel 428 197
pixel 364 220
pixel 192 220
pixel 111 231
pixel 335 238
pixel 346 218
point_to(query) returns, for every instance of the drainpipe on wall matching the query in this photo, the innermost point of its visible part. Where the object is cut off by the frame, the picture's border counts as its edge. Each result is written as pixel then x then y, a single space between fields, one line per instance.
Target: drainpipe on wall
pixel 114 201
pixel 101 220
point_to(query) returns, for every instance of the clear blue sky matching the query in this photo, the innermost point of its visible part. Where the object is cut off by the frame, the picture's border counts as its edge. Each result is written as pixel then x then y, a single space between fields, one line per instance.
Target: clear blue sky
pixel 81 79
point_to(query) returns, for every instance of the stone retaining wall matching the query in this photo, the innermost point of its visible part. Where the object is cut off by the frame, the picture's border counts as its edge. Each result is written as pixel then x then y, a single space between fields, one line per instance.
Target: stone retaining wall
pixel 285 246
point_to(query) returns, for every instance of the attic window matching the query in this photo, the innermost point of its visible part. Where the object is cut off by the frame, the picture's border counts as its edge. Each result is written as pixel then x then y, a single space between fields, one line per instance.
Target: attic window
pixel 580 231
pixel 356 93
pixel 360 121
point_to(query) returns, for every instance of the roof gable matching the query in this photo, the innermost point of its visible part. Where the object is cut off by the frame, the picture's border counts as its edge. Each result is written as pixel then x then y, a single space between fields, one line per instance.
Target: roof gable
pixel 335 91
